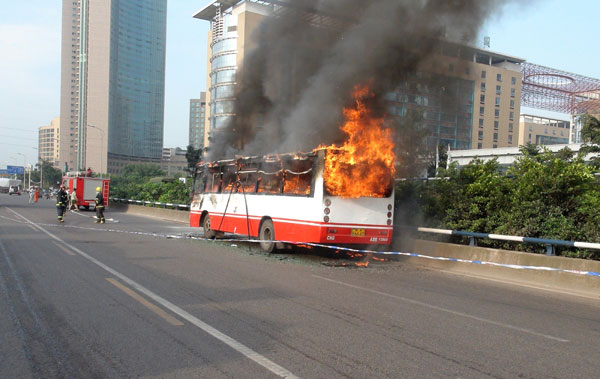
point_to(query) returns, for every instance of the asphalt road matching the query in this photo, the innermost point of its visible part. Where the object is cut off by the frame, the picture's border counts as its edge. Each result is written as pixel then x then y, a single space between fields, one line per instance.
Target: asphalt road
pixel 126 299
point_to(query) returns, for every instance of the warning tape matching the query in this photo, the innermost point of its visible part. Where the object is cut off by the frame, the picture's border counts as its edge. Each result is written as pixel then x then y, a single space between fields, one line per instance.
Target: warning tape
pixel 333 247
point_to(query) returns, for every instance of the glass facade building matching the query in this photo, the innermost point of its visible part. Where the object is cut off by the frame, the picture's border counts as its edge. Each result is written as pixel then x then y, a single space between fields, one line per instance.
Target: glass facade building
pixel 224 49
pixel 136 79
pixel 446 104
pixel 196 128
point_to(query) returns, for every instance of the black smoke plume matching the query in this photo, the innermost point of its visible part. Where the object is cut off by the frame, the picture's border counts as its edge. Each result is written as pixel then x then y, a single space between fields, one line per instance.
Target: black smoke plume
pixel 311 53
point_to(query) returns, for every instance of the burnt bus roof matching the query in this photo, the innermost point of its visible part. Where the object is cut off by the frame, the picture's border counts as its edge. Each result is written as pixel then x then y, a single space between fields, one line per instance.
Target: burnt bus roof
pixel 264 158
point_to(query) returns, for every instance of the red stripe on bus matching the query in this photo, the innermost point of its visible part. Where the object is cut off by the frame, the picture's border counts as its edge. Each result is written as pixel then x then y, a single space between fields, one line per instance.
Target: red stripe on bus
pixel 296 221
pixel 298 231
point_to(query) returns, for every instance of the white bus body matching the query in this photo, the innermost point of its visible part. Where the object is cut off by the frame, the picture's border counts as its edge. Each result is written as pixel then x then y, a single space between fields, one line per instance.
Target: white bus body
pixel 313 216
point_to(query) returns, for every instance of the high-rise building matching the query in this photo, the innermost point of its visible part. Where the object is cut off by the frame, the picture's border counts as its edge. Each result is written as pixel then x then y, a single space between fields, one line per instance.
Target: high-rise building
pixel 475 102
pixel 197 115
pixel 112 83
pixel 232 23
pixel 470 97
pixel 48 142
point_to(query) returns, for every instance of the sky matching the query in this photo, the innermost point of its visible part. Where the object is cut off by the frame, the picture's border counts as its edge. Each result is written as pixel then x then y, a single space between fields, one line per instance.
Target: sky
pixel 553 33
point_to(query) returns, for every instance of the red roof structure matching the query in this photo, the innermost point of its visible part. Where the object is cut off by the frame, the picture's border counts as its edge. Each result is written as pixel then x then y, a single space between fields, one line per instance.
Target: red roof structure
pixel 559 91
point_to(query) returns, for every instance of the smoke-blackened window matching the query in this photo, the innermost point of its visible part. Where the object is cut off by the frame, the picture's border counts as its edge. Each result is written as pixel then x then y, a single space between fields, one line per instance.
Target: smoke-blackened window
pixel 298 176
pixel 229 178
pixel 200 180
pixel 270 177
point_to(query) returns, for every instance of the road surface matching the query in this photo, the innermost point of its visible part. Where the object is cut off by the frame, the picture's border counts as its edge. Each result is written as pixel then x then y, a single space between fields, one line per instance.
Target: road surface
pixel 128 299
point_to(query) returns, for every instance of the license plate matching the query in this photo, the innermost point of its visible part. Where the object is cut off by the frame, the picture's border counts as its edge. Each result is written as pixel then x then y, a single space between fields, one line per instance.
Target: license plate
pixel 358 233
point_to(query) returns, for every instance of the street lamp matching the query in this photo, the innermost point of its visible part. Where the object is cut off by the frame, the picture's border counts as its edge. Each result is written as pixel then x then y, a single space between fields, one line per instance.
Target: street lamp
pixel 101 146
pixel 24 164
pixel 40 163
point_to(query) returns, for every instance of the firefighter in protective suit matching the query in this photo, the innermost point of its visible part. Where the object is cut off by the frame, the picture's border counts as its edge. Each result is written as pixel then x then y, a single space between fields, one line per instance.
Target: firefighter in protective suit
pixel 99 206
pixel 61 203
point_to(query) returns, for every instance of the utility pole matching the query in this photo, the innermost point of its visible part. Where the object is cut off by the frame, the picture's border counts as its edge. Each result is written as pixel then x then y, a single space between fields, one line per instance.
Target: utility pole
pixel 101 146
pixel 24 163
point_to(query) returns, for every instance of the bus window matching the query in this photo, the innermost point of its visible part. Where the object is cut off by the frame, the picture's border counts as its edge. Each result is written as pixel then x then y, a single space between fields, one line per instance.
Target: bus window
pixel 229 178
pixel 270 182
pixel 248 180
pixel 298 177
pixel 213 180
pixel 270 177
pixel 200 180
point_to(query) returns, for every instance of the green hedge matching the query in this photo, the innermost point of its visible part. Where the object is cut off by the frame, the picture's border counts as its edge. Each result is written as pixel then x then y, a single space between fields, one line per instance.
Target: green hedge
pixel 134 183
pixel 543 195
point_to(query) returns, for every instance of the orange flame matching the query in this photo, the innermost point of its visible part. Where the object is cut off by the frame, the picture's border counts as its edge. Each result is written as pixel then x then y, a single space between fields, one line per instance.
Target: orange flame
pixel 364 164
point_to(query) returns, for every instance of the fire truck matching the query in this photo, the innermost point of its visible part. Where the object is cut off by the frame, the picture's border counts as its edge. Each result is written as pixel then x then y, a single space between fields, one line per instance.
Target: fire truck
pixel 85 188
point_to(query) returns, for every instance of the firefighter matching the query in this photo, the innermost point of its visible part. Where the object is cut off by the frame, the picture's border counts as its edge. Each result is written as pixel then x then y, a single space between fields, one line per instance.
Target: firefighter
pixel 99 206
pixel 61 203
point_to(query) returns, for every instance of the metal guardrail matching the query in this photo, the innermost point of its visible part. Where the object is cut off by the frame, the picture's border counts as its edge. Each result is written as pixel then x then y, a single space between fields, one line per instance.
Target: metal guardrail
pixel 550 243
pixel 154 204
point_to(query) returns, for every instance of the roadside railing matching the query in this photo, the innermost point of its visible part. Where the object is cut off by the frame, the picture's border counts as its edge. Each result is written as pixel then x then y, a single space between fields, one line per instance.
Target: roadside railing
pixel 154 204
pixel 550 243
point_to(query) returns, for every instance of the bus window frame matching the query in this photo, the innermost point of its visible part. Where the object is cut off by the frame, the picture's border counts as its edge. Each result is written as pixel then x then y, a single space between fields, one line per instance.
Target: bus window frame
pixel 312 171
pixel 248 167
pixel 201 173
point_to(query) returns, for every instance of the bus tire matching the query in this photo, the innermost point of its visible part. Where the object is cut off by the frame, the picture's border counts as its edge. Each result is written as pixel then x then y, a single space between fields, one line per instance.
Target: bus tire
pixel 208 232
pixel 267 233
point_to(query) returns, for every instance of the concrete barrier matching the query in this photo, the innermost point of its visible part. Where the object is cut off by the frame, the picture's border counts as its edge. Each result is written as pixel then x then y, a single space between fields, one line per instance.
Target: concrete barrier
pixel 585 285
pixel 140 210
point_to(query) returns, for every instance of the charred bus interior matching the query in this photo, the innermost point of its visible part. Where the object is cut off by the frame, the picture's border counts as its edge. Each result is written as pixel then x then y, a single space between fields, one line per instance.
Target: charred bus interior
pixel 288 174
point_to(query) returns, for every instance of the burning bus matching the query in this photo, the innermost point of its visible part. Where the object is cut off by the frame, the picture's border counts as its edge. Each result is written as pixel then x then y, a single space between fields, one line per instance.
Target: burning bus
pixel 333 194
pixel 290 198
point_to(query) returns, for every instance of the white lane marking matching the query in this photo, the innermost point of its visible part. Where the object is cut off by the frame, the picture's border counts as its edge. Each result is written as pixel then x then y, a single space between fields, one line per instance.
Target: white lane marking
pixel 501 324
pixel 59 245
pixel 140 299
pixel 238 346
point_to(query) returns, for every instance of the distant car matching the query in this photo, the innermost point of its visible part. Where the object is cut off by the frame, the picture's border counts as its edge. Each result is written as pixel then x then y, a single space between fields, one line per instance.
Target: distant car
pixel 14 191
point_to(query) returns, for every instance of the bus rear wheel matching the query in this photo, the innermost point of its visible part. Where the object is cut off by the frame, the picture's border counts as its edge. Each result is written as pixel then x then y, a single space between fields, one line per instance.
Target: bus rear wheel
pixel 267 236
pixel 208 232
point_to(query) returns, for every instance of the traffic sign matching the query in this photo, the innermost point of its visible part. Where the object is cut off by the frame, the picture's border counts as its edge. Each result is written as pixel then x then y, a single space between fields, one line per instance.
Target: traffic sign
pixel 19 170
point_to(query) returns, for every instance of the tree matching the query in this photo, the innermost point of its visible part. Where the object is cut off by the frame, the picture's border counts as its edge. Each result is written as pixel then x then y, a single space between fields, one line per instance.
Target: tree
pixel 529 149
pixel 193 156
pixel 439 159
pixel 51 176
pixel 128 185
pixel 590 134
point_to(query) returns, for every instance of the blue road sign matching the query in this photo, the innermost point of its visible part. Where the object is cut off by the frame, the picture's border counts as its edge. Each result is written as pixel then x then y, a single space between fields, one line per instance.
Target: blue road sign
pixel 19 170
pixel 2 171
